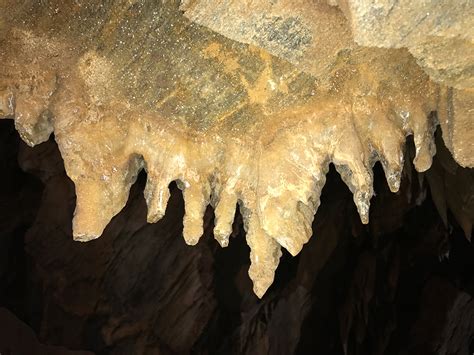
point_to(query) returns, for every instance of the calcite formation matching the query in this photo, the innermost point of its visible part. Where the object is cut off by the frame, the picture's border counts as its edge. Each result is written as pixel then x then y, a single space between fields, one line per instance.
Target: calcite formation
pixel 243 104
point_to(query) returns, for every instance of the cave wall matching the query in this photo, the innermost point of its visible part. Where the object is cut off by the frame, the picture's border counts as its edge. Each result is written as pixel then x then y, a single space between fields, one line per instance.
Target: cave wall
pixel 403 284
pixel 239 103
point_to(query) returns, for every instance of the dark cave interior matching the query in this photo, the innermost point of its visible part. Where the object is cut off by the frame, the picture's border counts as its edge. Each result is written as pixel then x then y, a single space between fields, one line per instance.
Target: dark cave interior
pixel 404 284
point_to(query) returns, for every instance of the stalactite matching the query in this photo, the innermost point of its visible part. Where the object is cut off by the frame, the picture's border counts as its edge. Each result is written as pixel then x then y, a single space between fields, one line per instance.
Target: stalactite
pixel 232 124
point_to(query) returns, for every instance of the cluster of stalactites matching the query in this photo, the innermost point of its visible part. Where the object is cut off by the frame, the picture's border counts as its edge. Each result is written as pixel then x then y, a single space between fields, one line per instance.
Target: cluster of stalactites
pixel 276 182
pixel 275 178
pixel 270 163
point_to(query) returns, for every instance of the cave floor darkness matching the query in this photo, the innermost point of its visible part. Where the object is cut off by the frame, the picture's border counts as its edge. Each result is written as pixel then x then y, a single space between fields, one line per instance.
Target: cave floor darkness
pixel 404 284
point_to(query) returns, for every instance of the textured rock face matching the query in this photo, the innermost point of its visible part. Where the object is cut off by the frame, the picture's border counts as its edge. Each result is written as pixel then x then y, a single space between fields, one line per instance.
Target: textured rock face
pixel 286 29
pixel 247 111
pixel 375 289
pixel 456 116
pixel 438 34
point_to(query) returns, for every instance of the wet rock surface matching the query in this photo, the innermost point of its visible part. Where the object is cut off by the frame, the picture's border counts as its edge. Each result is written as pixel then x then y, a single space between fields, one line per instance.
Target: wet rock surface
pixel 401 284
pixel 234 123
pixel 242 111
pixel 439 34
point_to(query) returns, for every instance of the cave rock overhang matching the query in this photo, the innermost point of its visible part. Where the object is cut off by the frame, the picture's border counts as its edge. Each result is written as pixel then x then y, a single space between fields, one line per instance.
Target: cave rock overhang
pixel 243 104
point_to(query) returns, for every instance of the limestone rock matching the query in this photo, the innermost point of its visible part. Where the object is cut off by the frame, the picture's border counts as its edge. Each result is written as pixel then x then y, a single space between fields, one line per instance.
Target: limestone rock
pixel 439 34
pixel 140 289
pixel 456 116
pixel 137 85
pixel 309 34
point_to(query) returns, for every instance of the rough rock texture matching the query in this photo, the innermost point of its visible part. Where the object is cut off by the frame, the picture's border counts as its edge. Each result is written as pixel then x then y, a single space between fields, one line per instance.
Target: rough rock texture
pixel 440 34
pixel 312 35
pixel 456 116
pixel 132 85
pixel 403 284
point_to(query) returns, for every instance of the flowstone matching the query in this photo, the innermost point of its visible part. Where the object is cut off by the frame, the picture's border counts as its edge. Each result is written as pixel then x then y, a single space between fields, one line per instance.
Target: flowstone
pixel 131 85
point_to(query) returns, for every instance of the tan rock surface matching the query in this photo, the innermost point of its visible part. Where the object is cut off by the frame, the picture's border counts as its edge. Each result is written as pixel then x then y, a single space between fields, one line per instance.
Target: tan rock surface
pixel 456 116
pixel 439 34
pixel 136 85
pixel 286 28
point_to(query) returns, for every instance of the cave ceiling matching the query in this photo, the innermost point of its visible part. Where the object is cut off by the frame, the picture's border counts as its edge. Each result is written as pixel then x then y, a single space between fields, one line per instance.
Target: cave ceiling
pixel 243 103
